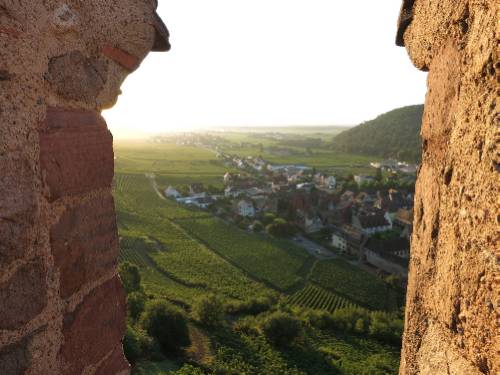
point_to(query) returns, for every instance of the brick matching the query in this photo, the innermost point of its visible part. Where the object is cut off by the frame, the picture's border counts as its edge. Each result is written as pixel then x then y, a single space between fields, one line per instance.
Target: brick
pixel 125 59
pixel 85 243
pixel 94 328
pixel 76 152
pixel 23 296
pixel 18 209
pixel 115 364
pixel 15 359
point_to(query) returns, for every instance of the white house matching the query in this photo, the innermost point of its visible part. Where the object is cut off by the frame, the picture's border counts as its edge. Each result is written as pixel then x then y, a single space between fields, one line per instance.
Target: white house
pixel 232 192
pixel 245 208
pixel 170 192
pixel 339 240
pixel 371 224
pixel 330 182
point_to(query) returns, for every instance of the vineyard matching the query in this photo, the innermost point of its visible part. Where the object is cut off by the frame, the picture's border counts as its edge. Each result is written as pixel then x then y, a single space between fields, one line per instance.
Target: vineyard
pixel 134 193
pixel 266 259
pixel 151 240
pixel 360 287
pixel 317 298
pixel 184 254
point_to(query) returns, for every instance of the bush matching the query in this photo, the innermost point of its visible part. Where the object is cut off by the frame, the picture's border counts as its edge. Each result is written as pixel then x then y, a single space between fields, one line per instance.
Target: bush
pixel 188 370
pixel 137 344
pixel 253 306
pixel 135 304
pixel 257 226
pixel 281 329
pixel 131 278
pixel 280 228
pixel 268 218
pixel 167 324
pixel 209 311
pixel 320 319
pixel 386 327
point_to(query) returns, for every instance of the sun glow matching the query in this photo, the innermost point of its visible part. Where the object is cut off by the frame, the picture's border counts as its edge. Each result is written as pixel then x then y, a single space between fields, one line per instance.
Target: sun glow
pixel 261 62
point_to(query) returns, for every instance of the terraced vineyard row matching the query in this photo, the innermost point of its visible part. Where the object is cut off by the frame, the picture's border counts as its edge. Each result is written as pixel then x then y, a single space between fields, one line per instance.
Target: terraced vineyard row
pixel 342 278
pixel 317 298
pixel 275 262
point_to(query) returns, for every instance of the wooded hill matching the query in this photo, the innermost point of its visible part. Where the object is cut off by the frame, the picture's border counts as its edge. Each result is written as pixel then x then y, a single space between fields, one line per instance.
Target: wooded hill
pixel 394 134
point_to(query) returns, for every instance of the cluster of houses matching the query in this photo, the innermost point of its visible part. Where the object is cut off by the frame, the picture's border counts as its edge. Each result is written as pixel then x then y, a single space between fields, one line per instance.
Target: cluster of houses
pixel 395 166
pixel 373 226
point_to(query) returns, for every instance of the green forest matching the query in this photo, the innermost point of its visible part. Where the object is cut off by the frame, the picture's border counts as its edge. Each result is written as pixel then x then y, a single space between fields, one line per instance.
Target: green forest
pixel 395 134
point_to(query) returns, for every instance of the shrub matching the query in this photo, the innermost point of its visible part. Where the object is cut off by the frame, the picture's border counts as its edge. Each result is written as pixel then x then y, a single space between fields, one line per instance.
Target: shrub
pixel 253 306
pixel 135 304
pixel 281 329
pixel 386 327
pixel 131 278
pixel 268 218
pixel 320 319
pixel 137 344
pixel 280 228
pixel 209 311
pixel 257 226
pixel 167 324
pixel 188 370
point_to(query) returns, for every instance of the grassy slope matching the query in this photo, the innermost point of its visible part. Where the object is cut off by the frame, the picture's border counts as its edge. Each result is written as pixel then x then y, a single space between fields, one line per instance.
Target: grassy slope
pixel 393 134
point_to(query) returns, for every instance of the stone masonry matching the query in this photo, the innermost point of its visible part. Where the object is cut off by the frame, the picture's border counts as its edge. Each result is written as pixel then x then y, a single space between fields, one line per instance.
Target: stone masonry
pixel 62 307
pixel 452 302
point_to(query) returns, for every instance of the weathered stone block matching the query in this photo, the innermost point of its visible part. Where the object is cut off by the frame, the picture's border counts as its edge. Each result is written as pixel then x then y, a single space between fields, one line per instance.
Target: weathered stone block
pixel 76 152
pixel 15 359
pixel 77 77
pixel 115 364
pixel 94 328
pixel 23 296
pixel 17 208
pixel 85 243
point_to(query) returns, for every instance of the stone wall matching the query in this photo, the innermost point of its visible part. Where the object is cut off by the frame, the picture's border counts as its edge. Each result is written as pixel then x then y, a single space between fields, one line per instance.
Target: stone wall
pixel 62 307
pixel 452 300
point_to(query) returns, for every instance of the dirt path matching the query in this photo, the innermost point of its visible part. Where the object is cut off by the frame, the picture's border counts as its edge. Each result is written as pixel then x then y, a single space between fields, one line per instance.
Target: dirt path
pixel 200 350
pixel 152 179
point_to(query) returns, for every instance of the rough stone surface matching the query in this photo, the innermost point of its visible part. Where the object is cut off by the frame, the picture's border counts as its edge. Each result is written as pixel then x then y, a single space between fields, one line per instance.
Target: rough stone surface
pixel 114 364
pixel 17 207
pixel 77 77
pixel 15 359
pixel 452 311
pixel 82 327
pixel 76 153
pixel 23 296
pixel 84 243
pixel 62 306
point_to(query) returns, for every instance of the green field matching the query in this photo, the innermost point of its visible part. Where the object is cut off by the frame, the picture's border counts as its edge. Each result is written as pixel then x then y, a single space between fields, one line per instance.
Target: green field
pixel 360 287
pixel 149 237
pixel 183 254
pixel 174 165
pixel 317 298
pixel 276 262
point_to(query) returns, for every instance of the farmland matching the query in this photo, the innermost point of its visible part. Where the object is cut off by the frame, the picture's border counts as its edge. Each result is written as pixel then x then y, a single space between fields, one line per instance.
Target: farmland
pixel 184 254
pixel 150 238
pixel 346 280
pixel 317 298
pixel 259 257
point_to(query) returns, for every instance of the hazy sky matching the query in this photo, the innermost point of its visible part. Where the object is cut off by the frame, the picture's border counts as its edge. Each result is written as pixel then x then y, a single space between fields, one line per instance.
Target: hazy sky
pixel 269 62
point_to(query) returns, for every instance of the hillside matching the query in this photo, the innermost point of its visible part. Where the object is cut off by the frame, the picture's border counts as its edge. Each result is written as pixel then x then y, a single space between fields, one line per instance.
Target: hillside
pixel 393 134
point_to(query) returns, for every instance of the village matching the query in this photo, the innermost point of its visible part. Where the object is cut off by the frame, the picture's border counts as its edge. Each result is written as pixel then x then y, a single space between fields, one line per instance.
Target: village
pixel 361 217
